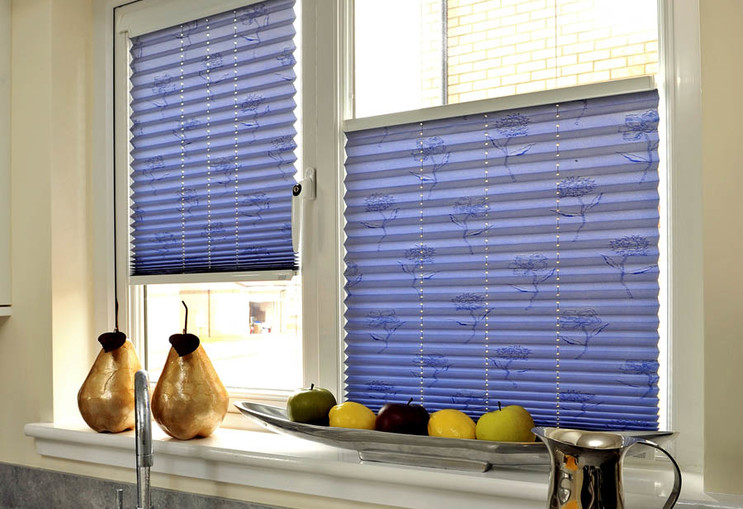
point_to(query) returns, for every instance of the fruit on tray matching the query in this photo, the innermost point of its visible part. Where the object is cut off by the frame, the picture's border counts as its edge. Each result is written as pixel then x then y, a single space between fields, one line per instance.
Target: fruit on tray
pixel 189 399
pixel 310 406
pixel 352 415
pixel 106 398
pixel 508 424
pixel 451 423
pixel 402 418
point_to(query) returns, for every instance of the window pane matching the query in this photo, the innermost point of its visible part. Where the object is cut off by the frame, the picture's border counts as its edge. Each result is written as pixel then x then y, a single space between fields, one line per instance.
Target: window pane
pixel 251 331
pixel 495 48
pixel 398 55
pixel 503 50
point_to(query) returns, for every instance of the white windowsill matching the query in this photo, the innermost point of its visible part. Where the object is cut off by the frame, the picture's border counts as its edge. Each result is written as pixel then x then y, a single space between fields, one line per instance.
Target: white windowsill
pixel 277 462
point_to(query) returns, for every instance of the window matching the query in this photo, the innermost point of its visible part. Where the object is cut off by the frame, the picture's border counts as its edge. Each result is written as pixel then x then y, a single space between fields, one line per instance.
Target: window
pixel 208 165
pixel 474 274
pixel 444 71
pixel 479 49
pixel 251 330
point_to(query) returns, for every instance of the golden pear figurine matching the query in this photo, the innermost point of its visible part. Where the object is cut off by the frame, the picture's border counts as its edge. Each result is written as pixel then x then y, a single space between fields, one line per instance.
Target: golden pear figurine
pixel 106 398
pixel 189 399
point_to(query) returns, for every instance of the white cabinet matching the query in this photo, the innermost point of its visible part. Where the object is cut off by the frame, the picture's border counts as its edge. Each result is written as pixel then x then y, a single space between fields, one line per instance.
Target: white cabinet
pixel 4 157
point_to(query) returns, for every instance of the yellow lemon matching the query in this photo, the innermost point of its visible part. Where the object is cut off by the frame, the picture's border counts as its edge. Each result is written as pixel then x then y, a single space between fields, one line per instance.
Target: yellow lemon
pixel 352 415
pixel 451 423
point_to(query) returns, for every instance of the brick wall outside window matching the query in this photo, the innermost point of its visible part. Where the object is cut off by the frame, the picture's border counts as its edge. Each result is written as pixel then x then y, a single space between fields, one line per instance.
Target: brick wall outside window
pixel 505 47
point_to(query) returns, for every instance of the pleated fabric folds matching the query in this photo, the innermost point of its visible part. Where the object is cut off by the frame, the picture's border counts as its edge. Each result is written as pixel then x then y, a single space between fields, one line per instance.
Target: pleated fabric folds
pixel 510 257
pixel 213 143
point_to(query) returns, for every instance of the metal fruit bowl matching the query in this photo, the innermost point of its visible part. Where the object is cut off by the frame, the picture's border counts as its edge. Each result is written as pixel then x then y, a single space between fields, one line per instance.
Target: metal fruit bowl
pixel 435 452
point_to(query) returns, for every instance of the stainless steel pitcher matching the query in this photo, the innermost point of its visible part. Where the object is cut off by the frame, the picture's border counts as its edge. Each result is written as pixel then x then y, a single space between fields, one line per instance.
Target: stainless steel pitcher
pixel 587 468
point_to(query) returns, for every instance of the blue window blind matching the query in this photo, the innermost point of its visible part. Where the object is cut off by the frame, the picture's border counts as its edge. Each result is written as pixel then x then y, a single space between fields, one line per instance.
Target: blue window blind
pixel 212 143
pixel 508 257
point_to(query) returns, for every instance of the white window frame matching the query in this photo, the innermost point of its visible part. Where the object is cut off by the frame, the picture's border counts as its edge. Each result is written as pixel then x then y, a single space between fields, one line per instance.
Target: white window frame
pixel 326 31
pixel 319 360
pixel 678 82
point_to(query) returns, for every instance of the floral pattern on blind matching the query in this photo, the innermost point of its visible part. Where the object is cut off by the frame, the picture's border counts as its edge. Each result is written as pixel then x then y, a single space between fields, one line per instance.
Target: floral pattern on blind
pixel 508 257
pixel 212 143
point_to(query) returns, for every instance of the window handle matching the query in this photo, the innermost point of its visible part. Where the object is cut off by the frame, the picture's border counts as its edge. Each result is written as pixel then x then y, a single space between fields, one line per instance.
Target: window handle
pixel 301 191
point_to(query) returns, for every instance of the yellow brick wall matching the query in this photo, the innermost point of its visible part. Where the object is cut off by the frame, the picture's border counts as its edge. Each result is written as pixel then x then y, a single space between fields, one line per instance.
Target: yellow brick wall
pixel 505 47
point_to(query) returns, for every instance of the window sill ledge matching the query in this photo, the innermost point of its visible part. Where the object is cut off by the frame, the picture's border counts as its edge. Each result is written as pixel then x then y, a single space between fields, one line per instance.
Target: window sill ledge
pixel 282 463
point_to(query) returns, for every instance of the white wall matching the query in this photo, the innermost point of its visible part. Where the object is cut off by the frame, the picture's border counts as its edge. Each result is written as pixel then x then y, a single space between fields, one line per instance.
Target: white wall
pixel 4 152
pixel 722 133
pixel 25 338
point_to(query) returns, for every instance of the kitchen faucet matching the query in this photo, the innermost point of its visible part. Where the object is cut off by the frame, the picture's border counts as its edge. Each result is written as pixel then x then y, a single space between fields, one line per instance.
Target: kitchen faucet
pixel 143 437
pixel 143 441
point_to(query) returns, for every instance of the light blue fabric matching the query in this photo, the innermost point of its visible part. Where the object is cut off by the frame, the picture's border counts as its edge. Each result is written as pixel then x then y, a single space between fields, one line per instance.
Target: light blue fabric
pixel 212 146
pixel 508 257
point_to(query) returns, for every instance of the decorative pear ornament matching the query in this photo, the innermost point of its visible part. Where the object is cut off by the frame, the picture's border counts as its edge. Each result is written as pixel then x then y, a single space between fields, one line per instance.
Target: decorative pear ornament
pixel 106 398
pixel 189 399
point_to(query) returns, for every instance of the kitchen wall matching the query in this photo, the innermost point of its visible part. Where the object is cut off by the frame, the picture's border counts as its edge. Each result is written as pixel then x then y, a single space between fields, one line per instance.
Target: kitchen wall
pixel 49 340
pixel 722 109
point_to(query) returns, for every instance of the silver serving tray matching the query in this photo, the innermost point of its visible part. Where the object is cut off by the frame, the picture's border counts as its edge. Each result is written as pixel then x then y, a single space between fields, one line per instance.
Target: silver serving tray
pixel 436 452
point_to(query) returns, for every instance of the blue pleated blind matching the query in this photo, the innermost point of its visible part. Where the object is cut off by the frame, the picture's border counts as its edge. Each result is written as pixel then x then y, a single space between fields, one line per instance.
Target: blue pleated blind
pixel 508 257
pixel 212 143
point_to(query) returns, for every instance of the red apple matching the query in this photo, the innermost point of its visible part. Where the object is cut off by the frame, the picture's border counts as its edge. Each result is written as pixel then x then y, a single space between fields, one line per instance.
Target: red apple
pixel 403 418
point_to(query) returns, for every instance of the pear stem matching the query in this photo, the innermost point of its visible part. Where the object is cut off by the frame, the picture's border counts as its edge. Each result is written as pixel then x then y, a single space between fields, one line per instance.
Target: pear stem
pixel 499 407
pixel 185 321
pixel 116 304
pixel 410 401
pixel 312 386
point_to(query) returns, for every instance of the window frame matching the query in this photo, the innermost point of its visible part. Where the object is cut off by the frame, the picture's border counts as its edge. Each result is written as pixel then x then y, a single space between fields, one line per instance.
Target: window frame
pixel 134 18
pixel 326 31
pixel 679 84
pixel 562 94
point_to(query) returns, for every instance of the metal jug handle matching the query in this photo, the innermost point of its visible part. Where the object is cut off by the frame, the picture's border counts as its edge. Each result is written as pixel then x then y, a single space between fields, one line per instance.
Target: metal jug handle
pixel 676 491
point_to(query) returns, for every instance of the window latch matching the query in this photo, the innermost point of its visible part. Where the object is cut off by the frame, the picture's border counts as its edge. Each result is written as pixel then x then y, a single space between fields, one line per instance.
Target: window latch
pixel 301 191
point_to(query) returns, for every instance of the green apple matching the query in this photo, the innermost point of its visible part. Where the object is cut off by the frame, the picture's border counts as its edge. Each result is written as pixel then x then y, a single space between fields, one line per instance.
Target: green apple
pixel 310 406
pixel 510 424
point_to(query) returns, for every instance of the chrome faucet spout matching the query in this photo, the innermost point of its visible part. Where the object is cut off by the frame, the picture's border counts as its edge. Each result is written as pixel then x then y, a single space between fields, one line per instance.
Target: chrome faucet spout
pixel 143 437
